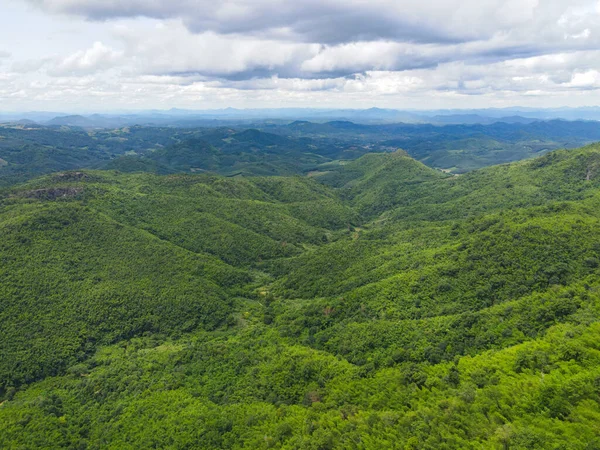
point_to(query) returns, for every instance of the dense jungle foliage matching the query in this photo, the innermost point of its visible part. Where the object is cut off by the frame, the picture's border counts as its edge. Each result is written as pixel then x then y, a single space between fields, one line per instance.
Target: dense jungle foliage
pixel 377 303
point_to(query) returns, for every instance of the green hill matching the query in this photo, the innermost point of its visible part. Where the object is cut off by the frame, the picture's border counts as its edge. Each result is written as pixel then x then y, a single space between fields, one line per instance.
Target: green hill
pixel 72 278
pixel 382 304
pixel 80 249
pixel 373 181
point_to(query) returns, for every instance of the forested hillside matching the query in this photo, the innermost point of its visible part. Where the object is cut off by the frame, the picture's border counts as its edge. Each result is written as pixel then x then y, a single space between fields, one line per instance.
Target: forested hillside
pixel 376 303
pixel 28 150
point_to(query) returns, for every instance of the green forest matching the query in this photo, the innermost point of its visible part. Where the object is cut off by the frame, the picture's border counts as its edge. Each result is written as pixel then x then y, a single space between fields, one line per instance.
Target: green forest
pixel 204 296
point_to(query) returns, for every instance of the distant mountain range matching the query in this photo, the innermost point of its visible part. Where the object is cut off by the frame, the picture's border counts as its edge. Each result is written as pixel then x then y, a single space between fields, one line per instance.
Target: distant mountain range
pixel 227 116
pixel 28 149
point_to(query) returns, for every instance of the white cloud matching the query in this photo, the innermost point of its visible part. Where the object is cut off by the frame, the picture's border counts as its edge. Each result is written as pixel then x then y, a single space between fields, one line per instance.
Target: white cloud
pixel 96 58
pixel 199 53
pixel 169 48
pixel 588 79
pixel 378 55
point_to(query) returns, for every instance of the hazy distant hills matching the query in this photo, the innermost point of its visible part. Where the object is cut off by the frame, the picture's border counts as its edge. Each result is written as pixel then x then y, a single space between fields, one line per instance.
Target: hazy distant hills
pixel 263 148
pixel 477 119
pixel 217 117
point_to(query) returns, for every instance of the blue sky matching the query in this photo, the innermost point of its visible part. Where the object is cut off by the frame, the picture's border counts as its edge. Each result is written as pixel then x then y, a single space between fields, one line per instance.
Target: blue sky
pixel 95 55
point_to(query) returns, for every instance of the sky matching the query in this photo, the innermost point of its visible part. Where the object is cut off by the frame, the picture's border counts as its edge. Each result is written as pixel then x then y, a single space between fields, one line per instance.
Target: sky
pixel 108 55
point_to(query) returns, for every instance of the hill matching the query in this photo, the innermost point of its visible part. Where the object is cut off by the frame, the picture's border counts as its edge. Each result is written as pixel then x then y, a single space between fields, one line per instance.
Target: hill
pixel 459 147
pixel 32 151
pixel 379 304
pixel 270 149
pixel 373 181
pixel 81 248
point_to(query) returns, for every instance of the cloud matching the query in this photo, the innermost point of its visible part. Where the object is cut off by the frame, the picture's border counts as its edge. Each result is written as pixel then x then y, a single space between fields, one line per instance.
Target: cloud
pixel 379 55
pixel 398 52
pixel 4 54
pixel 96 58
pixel 245 39
pixel 589 79
pixel 322 21
pixel 169 48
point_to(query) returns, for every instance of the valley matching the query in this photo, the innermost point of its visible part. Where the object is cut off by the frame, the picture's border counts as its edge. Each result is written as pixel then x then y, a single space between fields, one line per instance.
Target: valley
pixel 381 303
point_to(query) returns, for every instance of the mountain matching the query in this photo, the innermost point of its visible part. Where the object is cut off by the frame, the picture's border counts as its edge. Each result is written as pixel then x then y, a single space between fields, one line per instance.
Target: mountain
pixel 457 148
pixel 378 303
pixel 478 119
pixel 71 121
pixel 26 122
pixel 268 149
pixel 192 153
pixel 373 180
pixel 281 116
pixel 97 241
pixel 233 152
pixel 30 151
